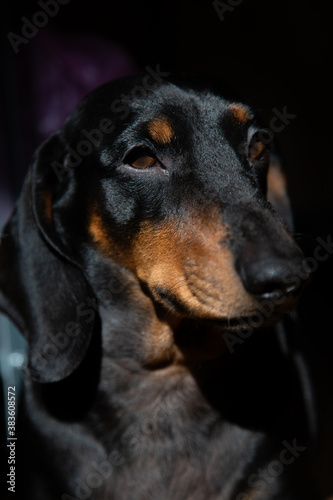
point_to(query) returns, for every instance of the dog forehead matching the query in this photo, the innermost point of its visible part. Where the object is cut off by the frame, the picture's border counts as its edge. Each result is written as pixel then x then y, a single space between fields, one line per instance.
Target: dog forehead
pixel 124 105
pixel 174 113
pixel 178 104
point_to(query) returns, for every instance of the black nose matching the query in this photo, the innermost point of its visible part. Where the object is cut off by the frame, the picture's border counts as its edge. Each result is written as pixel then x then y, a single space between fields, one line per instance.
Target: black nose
pixel 268 275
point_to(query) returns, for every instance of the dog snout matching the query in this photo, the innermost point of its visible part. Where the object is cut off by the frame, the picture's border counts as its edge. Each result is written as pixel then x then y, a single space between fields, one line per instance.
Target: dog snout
pixel 266 274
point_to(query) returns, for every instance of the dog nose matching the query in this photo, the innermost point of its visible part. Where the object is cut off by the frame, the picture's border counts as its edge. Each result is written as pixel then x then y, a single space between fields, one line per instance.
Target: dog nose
pixel 269 276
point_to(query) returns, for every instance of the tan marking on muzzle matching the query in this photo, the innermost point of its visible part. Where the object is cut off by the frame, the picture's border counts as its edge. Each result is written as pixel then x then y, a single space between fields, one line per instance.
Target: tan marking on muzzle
pixel 194 265
pixel 103 239
pixel 97 231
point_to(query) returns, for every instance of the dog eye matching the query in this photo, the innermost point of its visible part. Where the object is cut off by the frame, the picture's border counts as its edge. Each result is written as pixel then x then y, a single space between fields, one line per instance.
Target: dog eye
pixel 144 161
pixel 258 150
pixel 141 159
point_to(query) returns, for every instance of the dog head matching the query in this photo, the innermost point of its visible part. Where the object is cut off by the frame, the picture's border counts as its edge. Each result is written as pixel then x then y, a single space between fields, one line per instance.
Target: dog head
pixel 171 189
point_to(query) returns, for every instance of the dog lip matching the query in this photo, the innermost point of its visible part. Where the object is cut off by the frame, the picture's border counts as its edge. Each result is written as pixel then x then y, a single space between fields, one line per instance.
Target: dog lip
pixel 277 294
pixel 241 323
pixel 258 318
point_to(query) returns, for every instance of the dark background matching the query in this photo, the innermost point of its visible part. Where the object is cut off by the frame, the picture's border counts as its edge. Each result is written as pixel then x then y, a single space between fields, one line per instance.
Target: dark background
pixel 275 54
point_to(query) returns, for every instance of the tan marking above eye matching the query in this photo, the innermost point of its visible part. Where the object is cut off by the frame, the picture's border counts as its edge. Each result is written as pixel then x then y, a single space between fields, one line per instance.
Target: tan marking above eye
pixel 240 113
pixel 160 130
pixel 256 149
pixel 193 266
pixel 145 161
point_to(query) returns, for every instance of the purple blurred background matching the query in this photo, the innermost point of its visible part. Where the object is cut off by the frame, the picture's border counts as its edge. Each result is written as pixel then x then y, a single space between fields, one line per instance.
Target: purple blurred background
pixel 57 71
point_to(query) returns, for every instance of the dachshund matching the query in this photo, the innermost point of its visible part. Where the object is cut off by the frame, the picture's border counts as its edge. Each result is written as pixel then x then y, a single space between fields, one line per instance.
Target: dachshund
pixel 150 264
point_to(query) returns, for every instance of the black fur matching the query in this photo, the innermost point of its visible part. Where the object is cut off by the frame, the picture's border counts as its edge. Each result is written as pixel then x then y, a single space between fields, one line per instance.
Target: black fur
pixel 105 416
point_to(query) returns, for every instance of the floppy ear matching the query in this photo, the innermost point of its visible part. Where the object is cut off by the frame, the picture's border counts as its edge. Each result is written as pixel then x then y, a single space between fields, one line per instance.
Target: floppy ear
pixel 42 288
pixel 277 191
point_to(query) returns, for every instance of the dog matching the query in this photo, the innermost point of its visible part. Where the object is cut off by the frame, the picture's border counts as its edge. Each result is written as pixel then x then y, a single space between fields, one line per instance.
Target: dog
pixel 151 266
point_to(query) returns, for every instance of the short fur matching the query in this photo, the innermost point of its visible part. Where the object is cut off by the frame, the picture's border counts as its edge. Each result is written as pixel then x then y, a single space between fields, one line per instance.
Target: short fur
pixel 151 237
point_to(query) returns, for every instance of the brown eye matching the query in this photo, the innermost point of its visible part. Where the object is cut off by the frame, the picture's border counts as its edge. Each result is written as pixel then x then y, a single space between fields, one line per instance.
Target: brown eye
pixel 144 162
pixel 259 147
pixel 256 150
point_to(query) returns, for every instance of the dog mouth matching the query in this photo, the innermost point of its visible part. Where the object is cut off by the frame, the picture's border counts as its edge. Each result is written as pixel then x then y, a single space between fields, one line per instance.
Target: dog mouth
pixel 209 334
pixel 264 311
pixel 200 339
pixel 209 308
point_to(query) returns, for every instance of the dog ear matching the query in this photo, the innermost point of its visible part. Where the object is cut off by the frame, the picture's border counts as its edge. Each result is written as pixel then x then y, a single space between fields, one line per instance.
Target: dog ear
pixel 277 191
pixel 42 288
